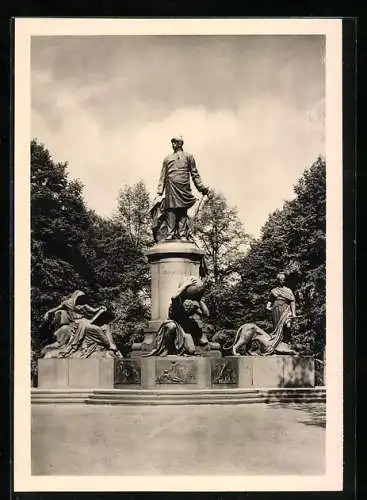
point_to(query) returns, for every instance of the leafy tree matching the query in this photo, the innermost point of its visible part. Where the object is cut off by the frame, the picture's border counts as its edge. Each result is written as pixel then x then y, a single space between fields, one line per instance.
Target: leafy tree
pixel 59 222
pixel 74 248
pixel 219 231
pixel 117 264
pixel 131 317
pixel 122 274
pixel 131 235
pixel 292 240
pixel 133 213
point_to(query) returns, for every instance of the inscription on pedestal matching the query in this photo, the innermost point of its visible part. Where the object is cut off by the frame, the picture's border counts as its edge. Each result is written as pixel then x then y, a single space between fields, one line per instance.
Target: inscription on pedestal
pixel 175 273
pixel 175 372
pixel 224 371
pixel 127 372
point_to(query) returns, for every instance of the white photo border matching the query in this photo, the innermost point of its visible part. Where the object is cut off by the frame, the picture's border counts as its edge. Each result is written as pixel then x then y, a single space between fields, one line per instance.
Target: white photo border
pixel 25 28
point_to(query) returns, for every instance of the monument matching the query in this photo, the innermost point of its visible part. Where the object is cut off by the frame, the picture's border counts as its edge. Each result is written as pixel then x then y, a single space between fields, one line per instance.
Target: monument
pixel 176 351
pixel 177 264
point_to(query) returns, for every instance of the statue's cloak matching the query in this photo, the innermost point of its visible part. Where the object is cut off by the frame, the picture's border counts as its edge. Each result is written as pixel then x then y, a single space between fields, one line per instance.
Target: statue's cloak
pixel 175 180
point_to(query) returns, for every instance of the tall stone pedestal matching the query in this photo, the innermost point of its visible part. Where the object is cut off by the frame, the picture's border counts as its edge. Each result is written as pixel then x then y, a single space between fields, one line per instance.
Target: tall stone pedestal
pixel 170 263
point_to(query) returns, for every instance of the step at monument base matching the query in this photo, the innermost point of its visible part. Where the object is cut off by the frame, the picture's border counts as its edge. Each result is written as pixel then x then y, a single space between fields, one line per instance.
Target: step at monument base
pixel 172 397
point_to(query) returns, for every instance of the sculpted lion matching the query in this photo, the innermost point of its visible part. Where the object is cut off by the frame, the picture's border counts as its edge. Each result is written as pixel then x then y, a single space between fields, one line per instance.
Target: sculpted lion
pixel 253 341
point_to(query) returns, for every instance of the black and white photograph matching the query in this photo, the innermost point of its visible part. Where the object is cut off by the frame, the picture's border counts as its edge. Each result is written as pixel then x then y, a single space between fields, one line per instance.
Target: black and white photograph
pixel 178 255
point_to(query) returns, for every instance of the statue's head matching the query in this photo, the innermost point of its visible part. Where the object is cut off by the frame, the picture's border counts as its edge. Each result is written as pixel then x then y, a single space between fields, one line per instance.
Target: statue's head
pixel 177 142
pixel 77 298
pixel 281 278
pixel 190 307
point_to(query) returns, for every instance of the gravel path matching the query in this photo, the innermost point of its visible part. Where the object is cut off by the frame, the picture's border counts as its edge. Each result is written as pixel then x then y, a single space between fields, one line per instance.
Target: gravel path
pixel 178 440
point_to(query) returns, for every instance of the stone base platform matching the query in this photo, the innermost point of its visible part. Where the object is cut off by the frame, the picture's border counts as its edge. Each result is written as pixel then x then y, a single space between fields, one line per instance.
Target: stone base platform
pixel 177 373
pixel 177 397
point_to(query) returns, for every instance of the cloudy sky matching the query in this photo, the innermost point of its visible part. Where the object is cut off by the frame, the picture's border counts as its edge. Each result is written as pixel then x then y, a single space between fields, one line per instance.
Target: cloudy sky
pixel 250 108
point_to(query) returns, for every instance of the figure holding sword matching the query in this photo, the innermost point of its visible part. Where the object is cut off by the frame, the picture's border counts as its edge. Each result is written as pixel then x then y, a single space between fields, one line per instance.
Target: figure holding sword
pixel 174 195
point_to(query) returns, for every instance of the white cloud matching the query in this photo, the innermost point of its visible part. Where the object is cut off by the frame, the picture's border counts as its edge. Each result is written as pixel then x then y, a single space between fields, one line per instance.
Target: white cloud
pixel 116 130
pixel 254 155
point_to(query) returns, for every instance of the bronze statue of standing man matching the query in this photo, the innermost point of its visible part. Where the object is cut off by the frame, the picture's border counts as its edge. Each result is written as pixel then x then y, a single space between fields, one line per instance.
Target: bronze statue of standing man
pixel 170 219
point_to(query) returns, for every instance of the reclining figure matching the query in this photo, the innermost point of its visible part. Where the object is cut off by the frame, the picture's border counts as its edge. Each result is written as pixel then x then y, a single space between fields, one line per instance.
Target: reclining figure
pixel 81 330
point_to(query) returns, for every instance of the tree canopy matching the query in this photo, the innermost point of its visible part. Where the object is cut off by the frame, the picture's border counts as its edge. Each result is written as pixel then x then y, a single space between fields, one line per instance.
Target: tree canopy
pixel 74 248
pixel 133 213
pixel 220 233
pixel 292 240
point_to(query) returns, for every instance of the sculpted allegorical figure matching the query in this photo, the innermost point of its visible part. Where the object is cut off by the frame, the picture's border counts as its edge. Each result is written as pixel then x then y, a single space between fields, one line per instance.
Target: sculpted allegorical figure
pixel 183 331
pixel 174 196
pixel 281 302
pixel 77 335
pixel 252 339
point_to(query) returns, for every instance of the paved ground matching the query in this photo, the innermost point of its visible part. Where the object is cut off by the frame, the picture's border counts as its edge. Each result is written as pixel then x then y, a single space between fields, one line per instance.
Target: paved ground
pixel 178 440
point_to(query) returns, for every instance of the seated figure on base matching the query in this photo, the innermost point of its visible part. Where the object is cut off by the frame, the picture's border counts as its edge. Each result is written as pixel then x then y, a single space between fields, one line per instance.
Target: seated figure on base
pixel 183 332
pixel 81 331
